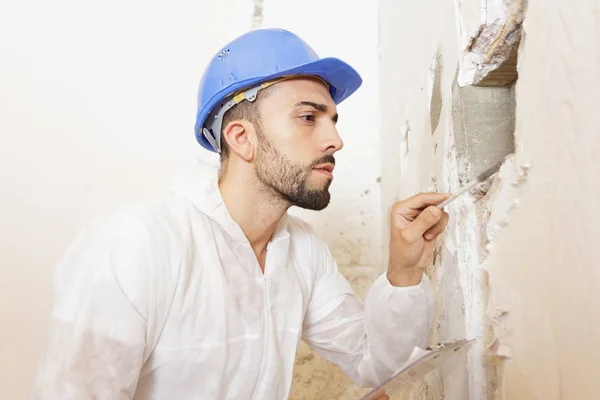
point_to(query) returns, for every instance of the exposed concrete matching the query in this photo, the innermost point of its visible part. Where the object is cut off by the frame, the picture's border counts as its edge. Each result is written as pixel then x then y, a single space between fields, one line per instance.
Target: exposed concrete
pixel 517 268
pixel 455 133
pixel 484 124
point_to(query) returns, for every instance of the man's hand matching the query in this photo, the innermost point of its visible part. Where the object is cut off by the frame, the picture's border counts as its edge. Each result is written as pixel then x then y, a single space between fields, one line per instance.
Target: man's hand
pixel 415 226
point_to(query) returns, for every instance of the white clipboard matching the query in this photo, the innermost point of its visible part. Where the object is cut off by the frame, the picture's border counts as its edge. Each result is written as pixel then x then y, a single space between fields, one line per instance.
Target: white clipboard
pixel 418 365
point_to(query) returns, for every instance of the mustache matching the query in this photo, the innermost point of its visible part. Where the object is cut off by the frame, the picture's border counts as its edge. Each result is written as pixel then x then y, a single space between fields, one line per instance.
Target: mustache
pixel 327 159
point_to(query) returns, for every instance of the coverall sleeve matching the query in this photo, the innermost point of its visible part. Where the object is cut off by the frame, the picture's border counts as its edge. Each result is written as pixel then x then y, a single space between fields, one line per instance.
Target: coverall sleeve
pixel 96 340
pixel 371 342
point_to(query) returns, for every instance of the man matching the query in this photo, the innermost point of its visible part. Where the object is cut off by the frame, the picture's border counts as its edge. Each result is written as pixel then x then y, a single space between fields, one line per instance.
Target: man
pixel 205 294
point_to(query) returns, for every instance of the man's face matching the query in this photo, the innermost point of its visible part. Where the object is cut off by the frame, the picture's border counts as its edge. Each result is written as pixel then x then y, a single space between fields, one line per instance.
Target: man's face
pixel 297 140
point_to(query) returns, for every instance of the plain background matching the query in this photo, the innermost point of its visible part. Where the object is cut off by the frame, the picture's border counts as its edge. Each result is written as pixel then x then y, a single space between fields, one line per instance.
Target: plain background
pixel 97 108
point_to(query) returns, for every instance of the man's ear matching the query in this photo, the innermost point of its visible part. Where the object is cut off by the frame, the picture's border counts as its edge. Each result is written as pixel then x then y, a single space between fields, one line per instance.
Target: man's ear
pixel 241 136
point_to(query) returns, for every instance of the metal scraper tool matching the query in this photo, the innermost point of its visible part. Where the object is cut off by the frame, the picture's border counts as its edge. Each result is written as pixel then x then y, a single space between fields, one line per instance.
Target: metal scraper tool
pixel 479 179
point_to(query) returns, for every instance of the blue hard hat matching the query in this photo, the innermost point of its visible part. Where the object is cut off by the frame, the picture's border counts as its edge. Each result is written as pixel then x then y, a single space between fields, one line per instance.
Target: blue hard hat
pixel 239 69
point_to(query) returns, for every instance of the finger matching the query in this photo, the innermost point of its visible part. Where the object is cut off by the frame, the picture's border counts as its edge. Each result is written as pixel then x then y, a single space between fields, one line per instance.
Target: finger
pixel 438 228
pixel 428 218
pixel 422 200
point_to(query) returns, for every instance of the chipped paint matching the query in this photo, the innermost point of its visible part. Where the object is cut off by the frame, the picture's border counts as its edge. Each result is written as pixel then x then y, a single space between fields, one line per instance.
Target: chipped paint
pixel 434 89
pixel 503 196
pixel 489 58
pixel 404 148
pixel 474 130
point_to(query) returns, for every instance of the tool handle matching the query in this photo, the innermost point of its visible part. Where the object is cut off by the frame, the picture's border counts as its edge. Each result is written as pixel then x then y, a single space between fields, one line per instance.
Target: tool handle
pixel 464 189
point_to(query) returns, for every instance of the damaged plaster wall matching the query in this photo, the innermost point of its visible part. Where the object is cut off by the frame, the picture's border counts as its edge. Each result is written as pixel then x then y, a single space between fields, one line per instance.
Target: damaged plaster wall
pixel 516 268
pixel 448 108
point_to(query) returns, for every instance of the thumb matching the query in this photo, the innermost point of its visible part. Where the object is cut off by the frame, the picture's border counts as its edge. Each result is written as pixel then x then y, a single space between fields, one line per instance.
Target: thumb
pixel 428 218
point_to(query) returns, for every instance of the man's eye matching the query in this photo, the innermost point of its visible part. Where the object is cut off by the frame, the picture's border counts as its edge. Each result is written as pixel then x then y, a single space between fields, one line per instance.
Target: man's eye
pixel 308 118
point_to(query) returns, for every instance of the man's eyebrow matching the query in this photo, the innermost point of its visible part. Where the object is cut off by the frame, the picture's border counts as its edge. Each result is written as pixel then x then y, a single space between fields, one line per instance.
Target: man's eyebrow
pixel 316 106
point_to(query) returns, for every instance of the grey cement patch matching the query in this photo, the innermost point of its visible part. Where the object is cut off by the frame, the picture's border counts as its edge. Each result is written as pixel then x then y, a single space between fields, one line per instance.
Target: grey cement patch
pixel 484 125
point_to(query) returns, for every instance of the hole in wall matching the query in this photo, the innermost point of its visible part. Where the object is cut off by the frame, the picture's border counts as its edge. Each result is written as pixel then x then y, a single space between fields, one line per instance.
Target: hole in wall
pixel 483 93
pixel 484 126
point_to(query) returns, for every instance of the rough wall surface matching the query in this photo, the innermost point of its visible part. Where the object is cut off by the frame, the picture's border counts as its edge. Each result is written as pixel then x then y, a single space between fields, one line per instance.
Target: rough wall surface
pixel 421 106
pixel 517 268
pixel 418 65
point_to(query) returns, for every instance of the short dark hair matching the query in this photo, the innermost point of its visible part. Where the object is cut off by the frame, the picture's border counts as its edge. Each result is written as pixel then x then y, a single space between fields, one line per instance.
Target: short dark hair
pixel 247 110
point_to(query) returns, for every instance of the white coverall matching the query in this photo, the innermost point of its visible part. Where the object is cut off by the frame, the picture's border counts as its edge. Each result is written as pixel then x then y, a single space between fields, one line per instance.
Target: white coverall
pixel 165 300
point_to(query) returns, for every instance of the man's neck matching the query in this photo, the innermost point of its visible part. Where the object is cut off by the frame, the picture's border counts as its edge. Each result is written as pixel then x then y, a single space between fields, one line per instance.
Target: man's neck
pixel 252 207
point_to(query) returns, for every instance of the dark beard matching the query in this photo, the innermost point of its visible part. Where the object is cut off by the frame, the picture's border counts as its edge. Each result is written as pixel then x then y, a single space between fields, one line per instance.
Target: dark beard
pixel 288 180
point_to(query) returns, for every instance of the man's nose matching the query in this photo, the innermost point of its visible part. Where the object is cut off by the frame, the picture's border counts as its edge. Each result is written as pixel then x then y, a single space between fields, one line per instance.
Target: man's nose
pixel 331 140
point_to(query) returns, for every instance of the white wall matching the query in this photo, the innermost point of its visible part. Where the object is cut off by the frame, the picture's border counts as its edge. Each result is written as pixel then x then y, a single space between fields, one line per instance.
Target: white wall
pixel 518 269
pixel 419 59
pixel 353 221
pixel 545 268
pixel 97 107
